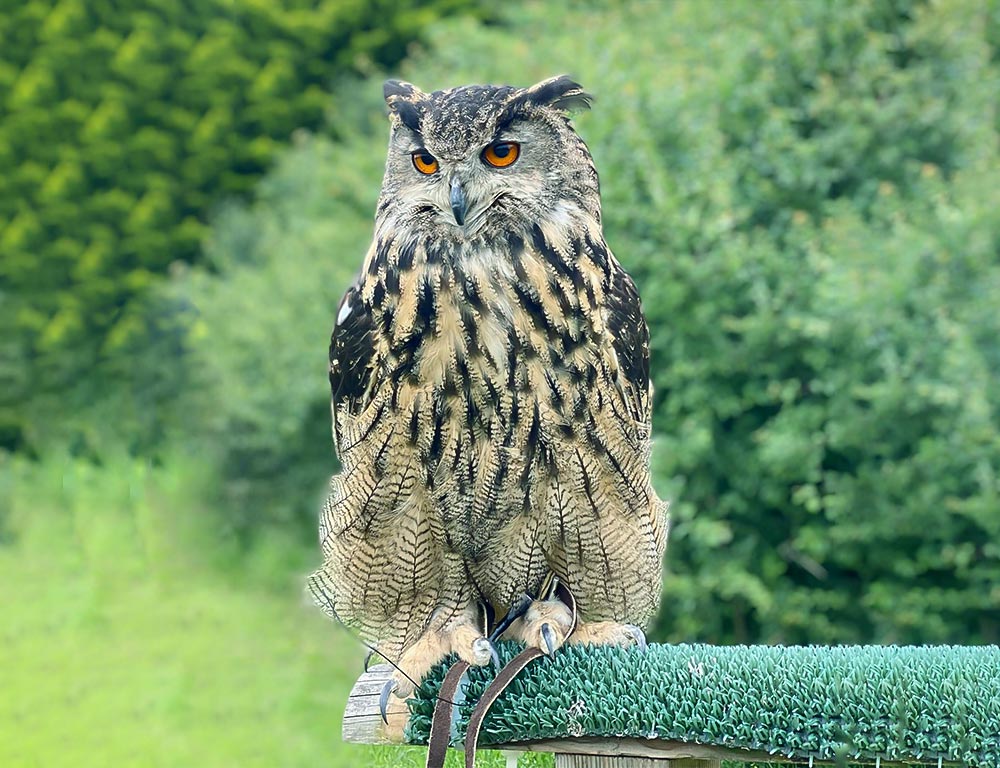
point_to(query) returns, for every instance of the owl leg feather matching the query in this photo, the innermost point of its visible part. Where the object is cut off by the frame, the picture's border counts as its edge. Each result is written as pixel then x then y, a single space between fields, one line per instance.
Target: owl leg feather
pixel 608 633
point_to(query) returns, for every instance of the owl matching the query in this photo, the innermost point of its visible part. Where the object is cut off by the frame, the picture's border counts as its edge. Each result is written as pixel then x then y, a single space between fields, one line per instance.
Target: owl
pixel 489 370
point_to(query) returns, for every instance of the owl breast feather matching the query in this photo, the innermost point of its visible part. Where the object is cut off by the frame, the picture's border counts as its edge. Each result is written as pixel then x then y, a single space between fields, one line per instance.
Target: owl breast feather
pixel 483 369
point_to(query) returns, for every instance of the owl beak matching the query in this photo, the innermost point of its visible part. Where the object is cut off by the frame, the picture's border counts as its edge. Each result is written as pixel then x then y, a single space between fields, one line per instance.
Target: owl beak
pixel 459 203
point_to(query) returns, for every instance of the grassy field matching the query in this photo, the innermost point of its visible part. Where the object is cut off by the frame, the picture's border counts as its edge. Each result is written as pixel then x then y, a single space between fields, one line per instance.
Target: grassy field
pixel 123 646
pixel 134 634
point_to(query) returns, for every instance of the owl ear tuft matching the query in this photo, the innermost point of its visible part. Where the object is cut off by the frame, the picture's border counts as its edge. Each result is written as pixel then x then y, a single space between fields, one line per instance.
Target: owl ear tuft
pixel 560 93
pixel 404 100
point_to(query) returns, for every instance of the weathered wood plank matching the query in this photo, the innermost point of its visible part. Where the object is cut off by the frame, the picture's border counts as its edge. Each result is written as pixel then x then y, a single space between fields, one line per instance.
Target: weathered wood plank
pixel 652 749
pixel 362 720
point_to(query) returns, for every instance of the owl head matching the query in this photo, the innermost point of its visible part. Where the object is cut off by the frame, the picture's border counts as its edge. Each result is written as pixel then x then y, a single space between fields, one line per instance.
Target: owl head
pixel 485 160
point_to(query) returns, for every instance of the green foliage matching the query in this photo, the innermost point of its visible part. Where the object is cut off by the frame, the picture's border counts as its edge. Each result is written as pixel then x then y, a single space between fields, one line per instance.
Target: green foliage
pixel 806 193
pixel 808 201
pixel 838 380
pixel 840 99
pixel 261 323
pixel 119 130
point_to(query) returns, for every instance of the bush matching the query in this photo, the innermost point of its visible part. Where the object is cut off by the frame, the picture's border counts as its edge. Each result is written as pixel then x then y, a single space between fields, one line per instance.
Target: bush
pixel 834 356
pixel 807 198
pixel 261 316
pixel 119 130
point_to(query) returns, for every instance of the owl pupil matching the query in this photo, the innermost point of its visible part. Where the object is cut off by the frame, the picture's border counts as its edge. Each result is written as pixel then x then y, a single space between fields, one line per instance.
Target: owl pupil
pixel 426 159
pixel 501 150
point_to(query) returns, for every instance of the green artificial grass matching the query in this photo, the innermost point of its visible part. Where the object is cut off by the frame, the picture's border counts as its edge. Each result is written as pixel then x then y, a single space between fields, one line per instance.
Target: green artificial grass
pixel 916 704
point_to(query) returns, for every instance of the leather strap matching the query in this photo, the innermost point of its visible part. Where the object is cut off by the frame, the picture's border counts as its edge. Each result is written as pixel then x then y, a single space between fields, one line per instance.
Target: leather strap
pixel 552 587
pixel 491 694
pixel 441 721
pixel 440 735
pixel 566 596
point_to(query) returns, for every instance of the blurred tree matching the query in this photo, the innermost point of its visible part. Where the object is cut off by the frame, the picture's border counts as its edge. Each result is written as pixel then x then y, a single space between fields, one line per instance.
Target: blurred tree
pixel 832 354
pixel 261 314
pixel 120 127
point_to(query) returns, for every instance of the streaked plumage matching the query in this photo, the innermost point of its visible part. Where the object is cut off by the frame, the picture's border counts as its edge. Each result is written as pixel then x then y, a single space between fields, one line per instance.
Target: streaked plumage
pixel 490 381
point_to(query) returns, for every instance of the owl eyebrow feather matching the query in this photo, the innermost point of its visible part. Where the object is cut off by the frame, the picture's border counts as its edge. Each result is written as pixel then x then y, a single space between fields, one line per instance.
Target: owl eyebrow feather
pixel 560 93
pixel 409 113
pixel 504 123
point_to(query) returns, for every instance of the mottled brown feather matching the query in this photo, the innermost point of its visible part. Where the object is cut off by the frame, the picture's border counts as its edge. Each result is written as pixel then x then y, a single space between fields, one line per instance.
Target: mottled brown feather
pixel 491 395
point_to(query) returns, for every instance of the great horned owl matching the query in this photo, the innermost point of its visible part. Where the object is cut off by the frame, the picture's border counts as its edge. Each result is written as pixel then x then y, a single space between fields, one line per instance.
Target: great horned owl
pixel 491 395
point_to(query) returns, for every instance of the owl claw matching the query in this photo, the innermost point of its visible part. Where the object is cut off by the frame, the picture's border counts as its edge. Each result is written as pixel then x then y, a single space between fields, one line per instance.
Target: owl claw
pixel 368 658
pixel 549 638
pixel 517 610
pixel 383 699
pixel 483 651
pixel 638 635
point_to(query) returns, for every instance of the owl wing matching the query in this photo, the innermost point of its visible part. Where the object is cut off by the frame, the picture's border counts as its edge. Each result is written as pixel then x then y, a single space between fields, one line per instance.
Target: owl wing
pixel 630 341
pixel 352 358
pixel 382 571
pixel 608 525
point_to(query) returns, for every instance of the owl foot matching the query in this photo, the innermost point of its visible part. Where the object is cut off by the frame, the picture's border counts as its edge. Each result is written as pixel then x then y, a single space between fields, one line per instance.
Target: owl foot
pixel 608 633
pixel 545 625
pixel 468 640
pixel 517 610
pixel 461 635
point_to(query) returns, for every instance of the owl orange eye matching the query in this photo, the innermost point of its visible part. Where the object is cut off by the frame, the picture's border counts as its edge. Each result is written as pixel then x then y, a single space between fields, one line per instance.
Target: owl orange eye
pixel 425 162
pixel 501 154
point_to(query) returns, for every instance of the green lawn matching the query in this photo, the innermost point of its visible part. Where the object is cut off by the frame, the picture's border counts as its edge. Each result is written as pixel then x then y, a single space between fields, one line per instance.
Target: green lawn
pixel 134 634
pixel 122 645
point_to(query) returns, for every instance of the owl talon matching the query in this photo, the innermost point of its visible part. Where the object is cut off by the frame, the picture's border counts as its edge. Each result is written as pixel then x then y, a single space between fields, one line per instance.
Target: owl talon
pixel 549 638
pixel 638 635
pixel 383 699
pixel 517 610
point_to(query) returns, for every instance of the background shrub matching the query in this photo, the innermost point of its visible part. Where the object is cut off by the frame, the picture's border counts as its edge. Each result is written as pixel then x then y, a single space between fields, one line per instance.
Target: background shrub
pixel 260 316
pixel 120 128
pixel 830 352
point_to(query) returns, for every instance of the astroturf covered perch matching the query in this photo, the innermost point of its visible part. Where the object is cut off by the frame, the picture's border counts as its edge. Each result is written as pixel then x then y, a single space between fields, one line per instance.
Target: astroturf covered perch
pixel 922 705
